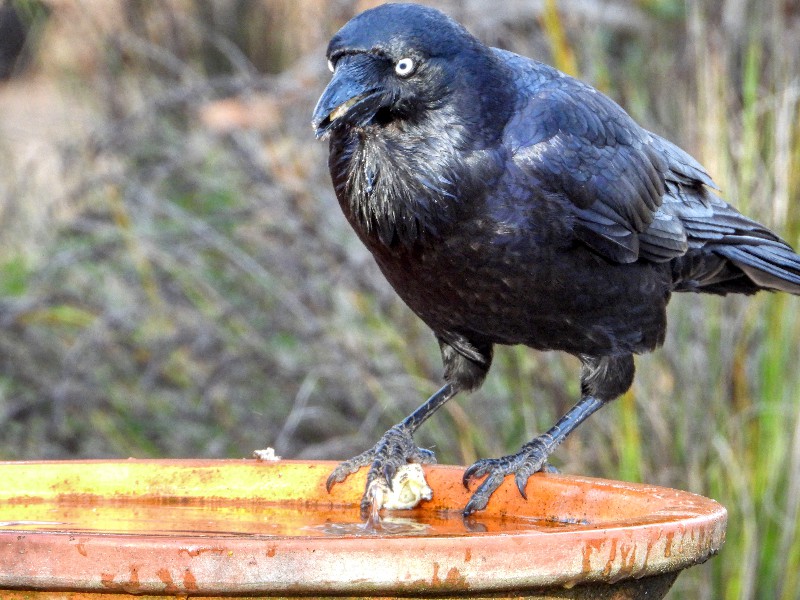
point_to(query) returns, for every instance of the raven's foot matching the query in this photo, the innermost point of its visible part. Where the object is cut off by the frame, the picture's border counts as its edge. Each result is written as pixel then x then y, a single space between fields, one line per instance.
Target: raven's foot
pixel 395 449
pixel 529 460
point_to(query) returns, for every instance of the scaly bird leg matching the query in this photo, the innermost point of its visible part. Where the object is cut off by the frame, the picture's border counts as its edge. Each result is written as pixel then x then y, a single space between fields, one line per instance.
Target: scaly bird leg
pixel 395 448
pixel 530 459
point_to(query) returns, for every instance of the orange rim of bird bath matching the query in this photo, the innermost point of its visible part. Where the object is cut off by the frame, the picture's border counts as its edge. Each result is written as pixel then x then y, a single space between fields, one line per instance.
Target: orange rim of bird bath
pixel 246 527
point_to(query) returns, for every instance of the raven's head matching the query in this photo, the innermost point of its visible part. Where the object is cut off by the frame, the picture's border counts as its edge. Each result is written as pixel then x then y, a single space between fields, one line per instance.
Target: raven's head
pixel 396 62
pixel 415 110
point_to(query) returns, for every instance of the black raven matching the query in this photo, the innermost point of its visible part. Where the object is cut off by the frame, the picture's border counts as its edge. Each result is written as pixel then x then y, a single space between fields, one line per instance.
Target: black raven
pixel 508 203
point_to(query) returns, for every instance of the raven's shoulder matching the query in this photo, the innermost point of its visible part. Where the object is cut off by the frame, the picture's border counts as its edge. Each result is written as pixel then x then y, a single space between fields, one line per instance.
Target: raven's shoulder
pixel 577 108
pixel 525 71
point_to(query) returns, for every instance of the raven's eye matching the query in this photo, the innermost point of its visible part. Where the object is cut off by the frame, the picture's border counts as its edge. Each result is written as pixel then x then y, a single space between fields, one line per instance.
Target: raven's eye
pixel 404 67
pixel 330 65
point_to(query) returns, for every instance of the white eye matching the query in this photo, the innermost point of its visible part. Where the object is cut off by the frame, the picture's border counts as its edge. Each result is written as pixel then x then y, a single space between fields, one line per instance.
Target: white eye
pixel 404 67
pixel 330 65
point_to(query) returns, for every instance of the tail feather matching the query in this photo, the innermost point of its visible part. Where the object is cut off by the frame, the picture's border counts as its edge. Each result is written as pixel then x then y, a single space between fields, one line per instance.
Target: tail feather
pixel 728 252
pixel 772 266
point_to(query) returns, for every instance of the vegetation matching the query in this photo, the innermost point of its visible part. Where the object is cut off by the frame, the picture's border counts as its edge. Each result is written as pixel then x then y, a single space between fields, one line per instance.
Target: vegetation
pixel 176 278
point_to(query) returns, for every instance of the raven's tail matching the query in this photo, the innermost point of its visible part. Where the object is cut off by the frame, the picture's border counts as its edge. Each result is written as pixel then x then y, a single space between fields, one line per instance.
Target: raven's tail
pixel 770 264
pixel 728 252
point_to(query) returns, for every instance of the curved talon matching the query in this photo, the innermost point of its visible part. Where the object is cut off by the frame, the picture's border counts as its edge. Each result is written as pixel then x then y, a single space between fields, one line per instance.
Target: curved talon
pixel 330 482
pixel 476 471
pixel 522 481
pixel 466 478
pixel 389 471
pixel 365 507
pixel 472 507
pixel 338 475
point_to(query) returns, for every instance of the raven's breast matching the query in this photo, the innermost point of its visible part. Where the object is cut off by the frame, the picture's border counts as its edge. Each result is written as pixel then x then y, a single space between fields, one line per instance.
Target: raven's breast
pixel 514 289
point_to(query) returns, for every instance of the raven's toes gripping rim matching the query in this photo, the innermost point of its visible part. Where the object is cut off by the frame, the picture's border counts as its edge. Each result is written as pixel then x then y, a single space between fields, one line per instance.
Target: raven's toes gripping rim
pixel 386 460
pixel 347 468
pixel 529 460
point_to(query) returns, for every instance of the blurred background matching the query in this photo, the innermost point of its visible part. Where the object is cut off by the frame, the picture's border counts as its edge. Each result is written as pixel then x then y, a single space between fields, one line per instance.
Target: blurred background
pixel 177 280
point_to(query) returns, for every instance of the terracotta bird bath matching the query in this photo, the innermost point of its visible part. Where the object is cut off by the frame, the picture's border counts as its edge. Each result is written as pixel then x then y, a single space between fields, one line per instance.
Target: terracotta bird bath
pixel 103 530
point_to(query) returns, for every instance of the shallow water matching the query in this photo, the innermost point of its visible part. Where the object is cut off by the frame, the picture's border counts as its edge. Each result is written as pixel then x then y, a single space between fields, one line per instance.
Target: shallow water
pixel 255 519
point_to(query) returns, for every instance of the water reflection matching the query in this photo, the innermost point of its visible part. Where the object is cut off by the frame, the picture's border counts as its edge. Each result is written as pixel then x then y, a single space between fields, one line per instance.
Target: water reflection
pixel 256 519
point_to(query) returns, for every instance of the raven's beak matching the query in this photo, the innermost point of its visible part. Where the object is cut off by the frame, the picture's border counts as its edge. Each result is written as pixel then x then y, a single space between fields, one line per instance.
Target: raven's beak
pixel 351 97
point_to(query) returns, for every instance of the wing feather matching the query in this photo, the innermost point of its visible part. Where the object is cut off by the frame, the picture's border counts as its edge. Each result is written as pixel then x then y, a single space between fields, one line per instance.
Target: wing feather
pixel 633 195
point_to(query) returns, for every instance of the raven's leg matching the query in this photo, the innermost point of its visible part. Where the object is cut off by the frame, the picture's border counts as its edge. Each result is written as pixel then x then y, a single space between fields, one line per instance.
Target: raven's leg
pixel 602 380
pixel 396 447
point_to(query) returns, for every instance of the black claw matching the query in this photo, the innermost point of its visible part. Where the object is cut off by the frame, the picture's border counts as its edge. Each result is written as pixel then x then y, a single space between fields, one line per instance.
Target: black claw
pixel 330 482
pixel 521 483
pixel 472 507
pixel 479 469
pixel 389 471
pixel 340 473
pixel 470 475
pixel 365 508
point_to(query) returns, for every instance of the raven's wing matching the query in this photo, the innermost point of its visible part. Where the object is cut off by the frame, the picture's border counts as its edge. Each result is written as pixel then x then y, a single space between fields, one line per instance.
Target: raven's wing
pixel 633 194
pixel 574 142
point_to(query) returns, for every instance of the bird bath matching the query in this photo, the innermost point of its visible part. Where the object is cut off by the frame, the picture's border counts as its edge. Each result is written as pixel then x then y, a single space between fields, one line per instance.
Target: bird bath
pixel 211 528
